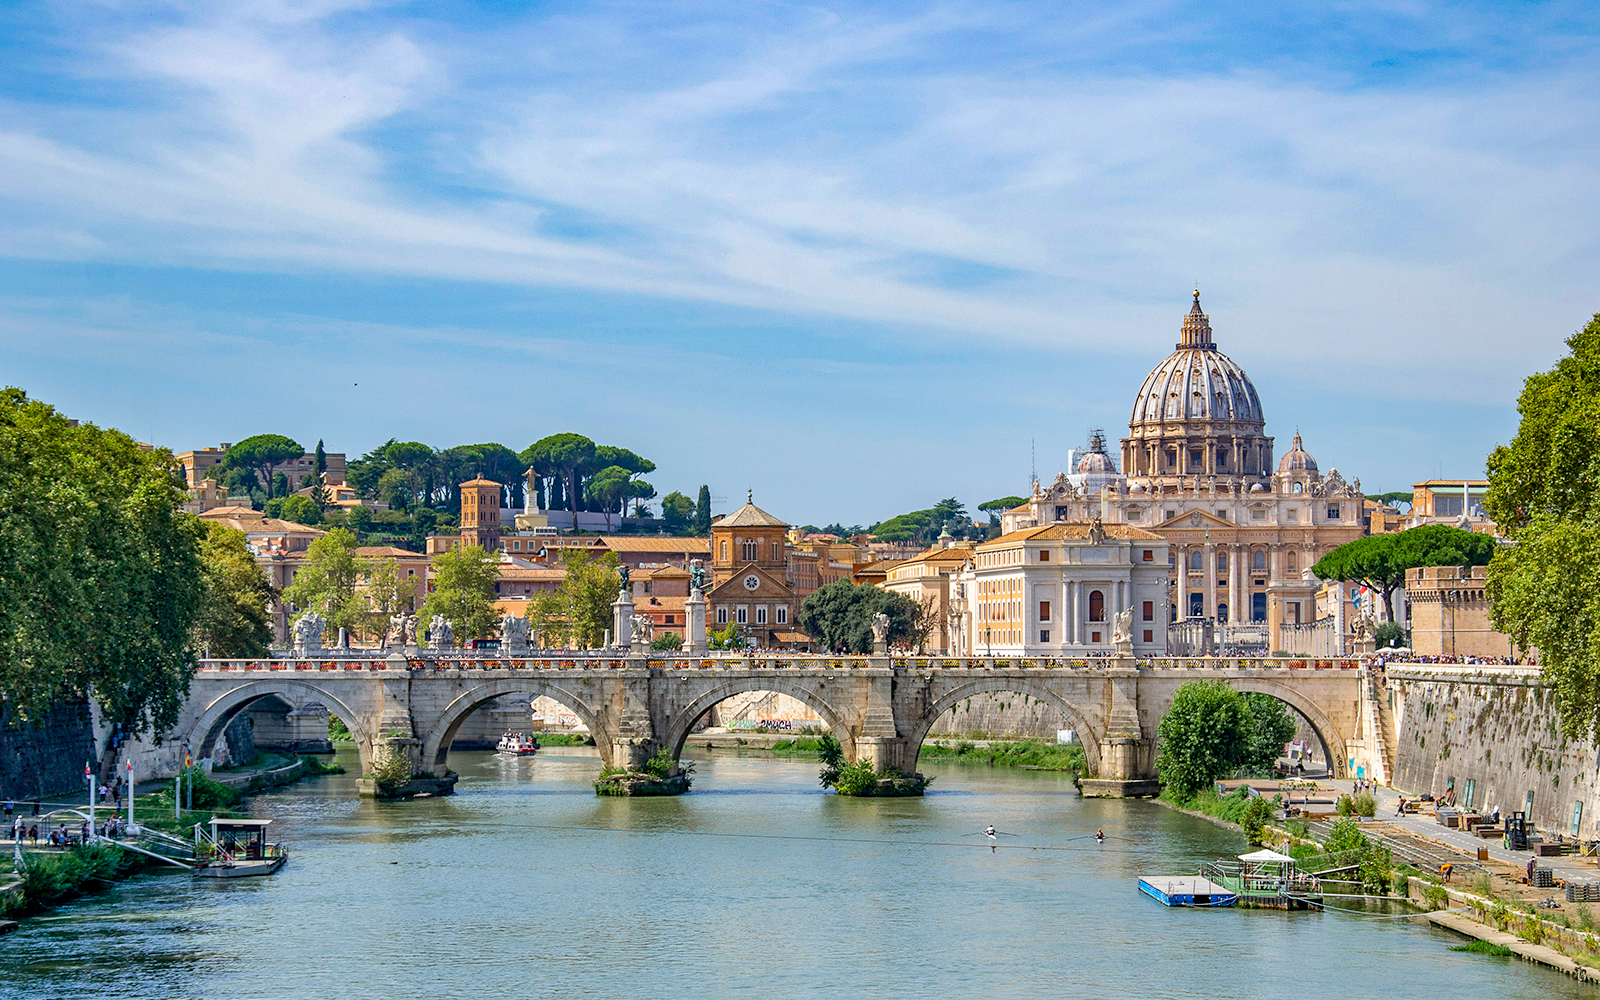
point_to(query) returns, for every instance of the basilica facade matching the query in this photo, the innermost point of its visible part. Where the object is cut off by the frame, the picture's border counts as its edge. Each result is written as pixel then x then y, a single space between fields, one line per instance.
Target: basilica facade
pixel 1197 469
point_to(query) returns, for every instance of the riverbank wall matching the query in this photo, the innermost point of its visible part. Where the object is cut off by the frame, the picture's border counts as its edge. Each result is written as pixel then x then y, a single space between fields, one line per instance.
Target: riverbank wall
pixel 1490 733
pixel 39 759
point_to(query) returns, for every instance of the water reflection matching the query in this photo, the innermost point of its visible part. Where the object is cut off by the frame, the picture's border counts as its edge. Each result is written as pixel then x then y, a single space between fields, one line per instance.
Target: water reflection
pixel 756 884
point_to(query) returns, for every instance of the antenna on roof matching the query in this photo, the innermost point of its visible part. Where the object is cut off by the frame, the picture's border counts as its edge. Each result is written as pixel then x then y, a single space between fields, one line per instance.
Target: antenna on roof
pixel 1033 462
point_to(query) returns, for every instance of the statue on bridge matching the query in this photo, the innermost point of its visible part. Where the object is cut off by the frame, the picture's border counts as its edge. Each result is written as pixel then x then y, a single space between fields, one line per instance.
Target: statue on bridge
pixel 1122 630
pixel 513 634
pixel 308 629
pixel 644 627
pixel 440 635
pixel 622 574
pixel 408 630
pixel 697 576
pixel 880 633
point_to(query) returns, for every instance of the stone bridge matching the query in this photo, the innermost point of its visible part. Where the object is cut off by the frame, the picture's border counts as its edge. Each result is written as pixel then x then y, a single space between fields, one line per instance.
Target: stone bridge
pixel 881 707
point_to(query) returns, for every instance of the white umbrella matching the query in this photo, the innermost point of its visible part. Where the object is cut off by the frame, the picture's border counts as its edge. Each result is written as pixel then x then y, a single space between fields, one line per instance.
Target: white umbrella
pixel 1264 855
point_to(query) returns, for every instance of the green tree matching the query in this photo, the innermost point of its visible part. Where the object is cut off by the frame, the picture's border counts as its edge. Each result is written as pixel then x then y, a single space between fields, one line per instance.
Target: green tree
pixel 1203 737
pixel 565 455
pixel 234 619
pixel 329 583
pixel 261 453
pixel 702 512
pixel 463 591
pixel 1268 726
pixel 1002 504
pixel 609 488
pixel 319 461
pixel 395 489
pixel 359 519
pixel 103 580
pixel 387 591
pixel 280 485
pixel 579 612
pixel 1381 561
pixel 300 510
pixel 677 510
pixel 839 616
pixel 1544 493
pixel 413 459
pixel 725 638
pixel 667 641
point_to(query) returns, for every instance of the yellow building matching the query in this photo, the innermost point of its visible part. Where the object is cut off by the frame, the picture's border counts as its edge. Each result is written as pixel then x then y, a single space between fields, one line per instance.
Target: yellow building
pixel 749 576
pixel 480 514
pixel 928 580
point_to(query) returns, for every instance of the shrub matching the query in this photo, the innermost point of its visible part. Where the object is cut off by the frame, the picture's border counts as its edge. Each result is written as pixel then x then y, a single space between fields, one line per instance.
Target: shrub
pixel 853 779
pixel 667 641
pixel 831 754
pixel 660 765
pixel 391 769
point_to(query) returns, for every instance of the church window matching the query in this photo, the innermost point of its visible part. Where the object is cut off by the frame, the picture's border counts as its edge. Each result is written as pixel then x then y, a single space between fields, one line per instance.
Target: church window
pixel 1061 513
pixel 1149 555
pixel 777 552
pixel 783 614
pixel 747 550
pixel 1044 555
pixel 722 616
pixel 761 614
pixel 1293 562
pixel 1044 635
pixel 724 555
pixel 1194 560
pixel 1148 611
pixel 1148 635
pixel 1194 458
pixel 1258 559
pixel 1044 611
pixel 741 614
pixel 1170 515
pixel 1222 515
pixel 1294 515
pixel 1333 512
pixel 1222 562
pixel 1259 514
pixel 1135 514
pixel 1297 488
pixel 1097 606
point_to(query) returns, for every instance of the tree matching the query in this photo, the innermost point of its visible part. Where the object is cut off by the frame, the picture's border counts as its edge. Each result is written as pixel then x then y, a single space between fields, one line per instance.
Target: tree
pixel 234 619
pixel 610 488
pixel 319 462
pixel 395 488
pixel 926 621
pixel 1381 561
pixel 1268 726
pixel 667 641
pixel 463 591
pixel 329 583
pixel 677 510
pixel 387 591
pixel 300 510
pixel 1544 492
pixel 359 519
pixel 839 615
pixel 1203 737
pixel 1391 498
pixel 1002 504
pixel 566 455
pixel 413 459
pixel 261 453
pixel 582 604
pixel 102 573
pixel 363 473
pixel 702 512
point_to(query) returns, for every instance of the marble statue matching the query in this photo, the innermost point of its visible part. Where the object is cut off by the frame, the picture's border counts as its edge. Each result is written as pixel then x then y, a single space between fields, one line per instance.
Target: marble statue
pixel 308 629
pixel 1122 627
pixel 880 627
pixel 408 630
pixel 1097 531
pixel 513 632
pixel 644 628
pixel 440 633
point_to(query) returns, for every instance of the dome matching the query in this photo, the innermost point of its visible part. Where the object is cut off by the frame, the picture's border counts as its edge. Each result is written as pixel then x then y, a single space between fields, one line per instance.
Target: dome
pixel 1258 488
pixel 1297 459
pixel 1197 382
pixel 1095 461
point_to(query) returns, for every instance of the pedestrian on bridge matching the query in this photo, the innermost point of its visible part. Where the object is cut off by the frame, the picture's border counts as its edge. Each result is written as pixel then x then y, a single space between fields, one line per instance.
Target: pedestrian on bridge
pixel 10 806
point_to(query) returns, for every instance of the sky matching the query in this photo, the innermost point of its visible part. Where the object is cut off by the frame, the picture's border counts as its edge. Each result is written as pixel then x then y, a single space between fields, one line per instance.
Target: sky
pixel 851 257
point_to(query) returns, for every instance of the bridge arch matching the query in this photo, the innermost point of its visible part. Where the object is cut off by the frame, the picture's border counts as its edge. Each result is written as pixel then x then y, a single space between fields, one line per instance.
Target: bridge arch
pixel 1333 741
pixel 682 722
pixel 436 743
pixel 216 716
pixel 1039 689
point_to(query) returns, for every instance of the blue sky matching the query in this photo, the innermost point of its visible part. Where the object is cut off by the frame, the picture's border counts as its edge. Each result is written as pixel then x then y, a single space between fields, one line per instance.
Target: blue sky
pixel 853 257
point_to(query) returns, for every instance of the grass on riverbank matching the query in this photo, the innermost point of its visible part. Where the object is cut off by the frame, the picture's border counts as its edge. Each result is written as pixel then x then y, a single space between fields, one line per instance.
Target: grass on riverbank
pixel 1483 948
pixel 1033 754
pixel 547 739
pixel 54 878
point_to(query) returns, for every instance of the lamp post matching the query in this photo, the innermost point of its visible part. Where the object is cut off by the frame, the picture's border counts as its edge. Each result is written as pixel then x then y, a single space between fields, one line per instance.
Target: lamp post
pixel 88 775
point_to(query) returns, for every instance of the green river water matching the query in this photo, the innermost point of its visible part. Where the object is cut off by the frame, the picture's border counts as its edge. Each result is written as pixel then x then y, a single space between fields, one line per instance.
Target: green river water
pixel 756 884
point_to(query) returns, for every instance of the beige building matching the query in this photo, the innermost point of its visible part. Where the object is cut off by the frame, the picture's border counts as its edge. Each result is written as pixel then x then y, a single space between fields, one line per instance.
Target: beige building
pixel 340 495
pixel 206 495
pixel 1054 590
pixel 749 579
pixel 1198 470
pixel 927 578
pixel 1456 502
pixel 1450 613
pixel 195 463
pixel 279 548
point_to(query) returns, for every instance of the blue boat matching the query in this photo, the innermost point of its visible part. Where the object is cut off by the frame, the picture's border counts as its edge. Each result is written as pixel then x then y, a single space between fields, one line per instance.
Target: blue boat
pixel 1186 890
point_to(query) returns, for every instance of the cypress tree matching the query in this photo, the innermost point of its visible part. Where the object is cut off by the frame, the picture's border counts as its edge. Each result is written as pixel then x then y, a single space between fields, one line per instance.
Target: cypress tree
pixel 702 512
pixel 319 465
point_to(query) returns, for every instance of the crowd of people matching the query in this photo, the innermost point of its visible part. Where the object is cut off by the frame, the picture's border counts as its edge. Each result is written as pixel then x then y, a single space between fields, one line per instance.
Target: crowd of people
pixel 1382 659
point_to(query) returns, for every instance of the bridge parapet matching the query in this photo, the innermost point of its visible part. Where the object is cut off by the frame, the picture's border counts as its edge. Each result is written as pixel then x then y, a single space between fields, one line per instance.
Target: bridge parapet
pixel 792 662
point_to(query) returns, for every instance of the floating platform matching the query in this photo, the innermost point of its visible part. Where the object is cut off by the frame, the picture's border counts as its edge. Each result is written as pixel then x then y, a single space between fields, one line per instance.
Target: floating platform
pixel 1186 890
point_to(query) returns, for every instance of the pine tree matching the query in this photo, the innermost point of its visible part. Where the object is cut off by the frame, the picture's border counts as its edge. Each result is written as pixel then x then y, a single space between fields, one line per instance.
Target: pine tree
pixel 319 465
pixel 702 512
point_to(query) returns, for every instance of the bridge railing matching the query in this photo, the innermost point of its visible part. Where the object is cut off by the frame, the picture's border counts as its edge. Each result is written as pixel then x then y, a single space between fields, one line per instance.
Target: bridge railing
pixel 320 665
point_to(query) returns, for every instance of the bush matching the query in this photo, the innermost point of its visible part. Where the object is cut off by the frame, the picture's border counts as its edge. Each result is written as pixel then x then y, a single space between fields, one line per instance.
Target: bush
pixel 660 765
pixel 667 641
pixel 391 769
pixel 831 754
pixel 1023 753
pixel 337 730
pixel 208 794
pixel 1389 634
pixel 854 779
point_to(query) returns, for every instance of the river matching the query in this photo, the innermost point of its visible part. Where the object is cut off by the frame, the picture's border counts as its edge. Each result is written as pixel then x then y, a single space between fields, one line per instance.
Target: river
pixel 756 884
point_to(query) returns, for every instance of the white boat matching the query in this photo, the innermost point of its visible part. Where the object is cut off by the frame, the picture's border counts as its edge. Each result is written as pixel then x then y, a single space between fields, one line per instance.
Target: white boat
pixel 237 848
pixel 517 745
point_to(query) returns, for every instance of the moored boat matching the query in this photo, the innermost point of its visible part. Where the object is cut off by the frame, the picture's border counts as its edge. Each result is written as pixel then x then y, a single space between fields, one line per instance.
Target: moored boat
pixel 237 848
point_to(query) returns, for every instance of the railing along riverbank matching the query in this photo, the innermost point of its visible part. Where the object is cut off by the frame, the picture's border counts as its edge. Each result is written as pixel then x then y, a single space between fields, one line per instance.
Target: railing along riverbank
pixel 609 661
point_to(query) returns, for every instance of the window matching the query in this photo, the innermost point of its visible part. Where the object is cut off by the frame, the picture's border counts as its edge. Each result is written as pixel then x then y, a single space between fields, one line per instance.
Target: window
pixel 1061 513
pixel 1195 560
pixel 1294 515
pixel 1258 515
pixel 777 552
pixel 741 614
pixel 783 614
pixel 1194 458
pixel 1148 610
pixel 1297 488
pixel 747 550
pixel 1135 515
pixel 1094 636
pixel 1044 611
pixel 1044 555
pixel 1044 635
pixel 1169 515
pixel 722 616
pixel 761 615
pixel 1333 512
pixel 1258 607
pixel 724 550
pixel 1149 555
pixel 1097 608
pixel 1258 559
pixel 1222 562
pixel 1293 562
pixel 1222 613
pixel 1149 636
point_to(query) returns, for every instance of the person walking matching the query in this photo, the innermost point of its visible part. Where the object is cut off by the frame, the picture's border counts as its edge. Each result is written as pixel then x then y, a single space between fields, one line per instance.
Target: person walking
pixel 11 805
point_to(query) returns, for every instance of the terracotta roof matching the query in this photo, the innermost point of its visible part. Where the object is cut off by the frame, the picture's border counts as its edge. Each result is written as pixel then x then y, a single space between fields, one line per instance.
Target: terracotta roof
pixel 957 553
pixel 879 565
pixel 521 573
pixel 641 602
pixel 793 637
pixel 1071 532
pixel 390 551
pixel 666 543
pixel 668 573
pixel 751 516
pixel 250 520
pixel 233 511
pixel 480 481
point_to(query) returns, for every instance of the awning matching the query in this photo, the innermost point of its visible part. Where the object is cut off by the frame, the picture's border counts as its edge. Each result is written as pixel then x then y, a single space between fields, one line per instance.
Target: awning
pixel 1266 856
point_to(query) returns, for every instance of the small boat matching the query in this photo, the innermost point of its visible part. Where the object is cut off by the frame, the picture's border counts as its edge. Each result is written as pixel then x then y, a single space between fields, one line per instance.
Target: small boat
pixel 1186 890
pixel 517 745
pixel 236 848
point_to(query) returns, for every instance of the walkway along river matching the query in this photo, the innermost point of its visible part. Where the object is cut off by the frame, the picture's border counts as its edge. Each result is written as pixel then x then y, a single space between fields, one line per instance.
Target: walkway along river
pixel 756 884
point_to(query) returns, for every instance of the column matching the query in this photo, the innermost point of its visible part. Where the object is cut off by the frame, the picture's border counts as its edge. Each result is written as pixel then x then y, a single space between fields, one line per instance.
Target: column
pixel 1208 580
pixel 1181 594
pixel 1234 569
pixel 1076 589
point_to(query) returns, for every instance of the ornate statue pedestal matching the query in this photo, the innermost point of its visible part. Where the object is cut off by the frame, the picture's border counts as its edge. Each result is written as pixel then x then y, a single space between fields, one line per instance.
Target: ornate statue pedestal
pixel 694 633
